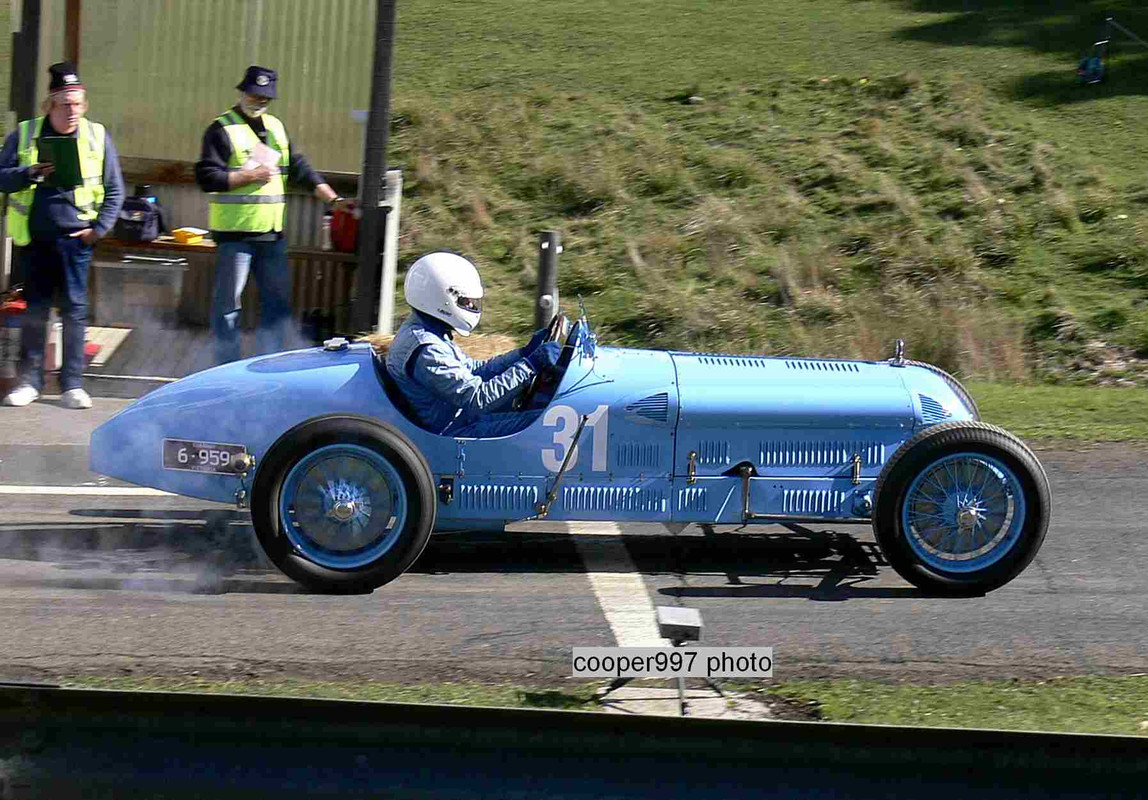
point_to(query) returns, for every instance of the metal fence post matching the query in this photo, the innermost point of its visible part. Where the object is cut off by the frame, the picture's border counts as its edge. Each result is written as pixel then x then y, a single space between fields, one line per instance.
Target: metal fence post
pixel 374 168
pixel 549 246
pixel 393 198
pixel 5 248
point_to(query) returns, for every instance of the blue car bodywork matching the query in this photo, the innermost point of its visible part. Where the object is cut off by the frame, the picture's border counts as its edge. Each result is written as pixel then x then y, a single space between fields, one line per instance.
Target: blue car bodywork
pixel 644 435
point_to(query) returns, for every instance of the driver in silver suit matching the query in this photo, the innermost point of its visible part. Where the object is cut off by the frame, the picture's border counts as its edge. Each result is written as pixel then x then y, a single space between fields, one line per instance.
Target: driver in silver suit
pixel 451 393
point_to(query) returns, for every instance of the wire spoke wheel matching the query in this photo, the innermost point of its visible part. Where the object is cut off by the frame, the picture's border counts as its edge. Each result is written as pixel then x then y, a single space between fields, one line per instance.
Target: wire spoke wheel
pixel 342 506
pixel 963 512
pixel 961 508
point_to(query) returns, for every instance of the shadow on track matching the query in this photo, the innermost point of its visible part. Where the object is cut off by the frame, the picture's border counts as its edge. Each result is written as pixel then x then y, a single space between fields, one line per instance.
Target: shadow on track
pixel 188 552
pixel 215 552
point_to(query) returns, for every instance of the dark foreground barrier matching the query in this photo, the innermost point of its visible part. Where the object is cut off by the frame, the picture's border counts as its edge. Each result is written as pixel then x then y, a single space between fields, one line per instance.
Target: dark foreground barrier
pixel 71 743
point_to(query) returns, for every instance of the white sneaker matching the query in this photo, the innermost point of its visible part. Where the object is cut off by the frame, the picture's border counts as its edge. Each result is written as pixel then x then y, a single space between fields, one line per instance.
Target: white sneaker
pixel 22 396
pixel 76 398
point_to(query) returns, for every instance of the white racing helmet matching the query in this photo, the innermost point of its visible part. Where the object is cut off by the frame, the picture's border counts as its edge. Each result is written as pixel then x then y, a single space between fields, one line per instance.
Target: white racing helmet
pixel 447 287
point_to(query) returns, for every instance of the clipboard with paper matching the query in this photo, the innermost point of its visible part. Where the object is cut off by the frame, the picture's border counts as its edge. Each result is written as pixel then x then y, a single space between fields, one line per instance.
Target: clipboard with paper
pixel 62 152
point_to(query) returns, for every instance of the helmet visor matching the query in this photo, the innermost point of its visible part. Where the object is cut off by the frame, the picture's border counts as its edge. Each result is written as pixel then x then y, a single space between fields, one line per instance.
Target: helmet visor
pixel 472 304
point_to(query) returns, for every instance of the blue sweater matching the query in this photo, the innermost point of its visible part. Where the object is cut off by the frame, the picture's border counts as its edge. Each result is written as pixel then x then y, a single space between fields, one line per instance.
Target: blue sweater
pixel 53 212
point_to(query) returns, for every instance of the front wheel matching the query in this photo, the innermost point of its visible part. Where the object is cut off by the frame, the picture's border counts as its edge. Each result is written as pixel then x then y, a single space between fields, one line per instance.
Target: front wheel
pixel 343 504
pixel 962 508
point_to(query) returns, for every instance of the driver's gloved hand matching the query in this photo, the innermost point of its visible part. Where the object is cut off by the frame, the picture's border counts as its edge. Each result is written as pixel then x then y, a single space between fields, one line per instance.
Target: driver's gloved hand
pixel 545 356
pixel 538 338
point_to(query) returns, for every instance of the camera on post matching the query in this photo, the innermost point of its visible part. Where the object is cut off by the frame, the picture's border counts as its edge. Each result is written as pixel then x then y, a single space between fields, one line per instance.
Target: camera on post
pixel 679 625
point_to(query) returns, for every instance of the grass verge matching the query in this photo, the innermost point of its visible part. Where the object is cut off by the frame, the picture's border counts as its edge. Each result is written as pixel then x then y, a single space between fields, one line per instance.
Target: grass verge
pixel 574 697
pixel 1068 413
pixel 1116 705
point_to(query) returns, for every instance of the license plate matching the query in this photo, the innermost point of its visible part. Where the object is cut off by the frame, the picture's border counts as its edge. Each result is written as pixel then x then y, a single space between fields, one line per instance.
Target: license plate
pixel 180 454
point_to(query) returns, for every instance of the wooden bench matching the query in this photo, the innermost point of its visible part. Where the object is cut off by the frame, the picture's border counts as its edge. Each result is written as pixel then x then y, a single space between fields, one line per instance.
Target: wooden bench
pixel 321 279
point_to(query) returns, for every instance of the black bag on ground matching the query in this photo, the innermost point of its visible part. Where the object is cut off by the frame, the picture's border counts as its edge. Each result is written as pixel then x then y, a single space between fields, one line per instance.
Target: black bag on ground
pixel 140 220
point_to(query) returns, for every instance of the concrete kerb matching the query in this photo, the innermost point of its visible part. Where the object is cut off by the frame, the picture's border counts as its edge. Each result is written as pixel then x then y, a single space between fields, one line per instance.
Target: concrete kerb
pixel 700 702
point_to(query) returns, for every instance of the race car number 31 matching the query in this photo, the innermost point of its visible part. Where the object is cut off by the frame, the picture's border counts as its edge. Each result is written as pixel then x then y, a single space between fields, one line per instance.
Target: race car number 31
pixel 188 456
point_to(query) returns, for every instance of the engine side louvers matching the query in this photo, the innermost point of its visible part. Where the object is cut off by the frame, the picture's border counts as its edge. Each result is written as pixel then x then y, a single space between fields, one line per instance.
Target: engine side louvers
pixel 655 407
pixel 823 366
pixel 932 412
pixel 732 361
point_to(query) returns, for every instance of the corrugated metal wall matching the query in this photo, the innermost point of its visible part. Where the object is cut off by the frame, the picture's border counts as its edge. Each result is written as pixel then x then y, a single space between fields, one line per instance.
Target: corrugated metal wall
pixel 158 71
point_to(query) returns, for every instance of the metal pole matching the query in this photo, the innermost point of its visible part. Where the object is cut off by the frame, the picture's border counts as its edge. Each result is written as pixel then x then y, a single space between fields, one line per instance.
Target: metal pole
pixel 374 167
pixel 394 199
pixel 22 100
pixel 72 32
pixel 26 61
pixel 549 246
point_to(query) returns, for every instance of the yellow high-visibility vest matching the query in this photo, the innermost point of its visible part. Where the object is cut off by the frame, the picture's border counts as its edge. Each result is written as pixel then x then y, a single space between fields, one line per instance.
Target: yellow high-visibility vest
pixel 88 198
pixel 254 208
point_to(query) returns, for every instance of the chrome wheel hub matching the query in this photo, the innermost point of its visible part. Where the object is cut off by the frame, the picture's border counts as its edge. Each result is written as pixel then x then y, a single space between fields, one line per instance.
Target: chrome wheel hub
pixel 345 502
pixel 343 511
pixel 970 515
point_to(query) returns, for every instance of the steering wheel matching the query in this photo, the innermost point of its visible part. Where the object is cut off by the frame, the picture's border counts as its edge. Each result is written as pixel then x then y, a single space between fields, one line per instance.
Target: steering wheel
pixel 538 380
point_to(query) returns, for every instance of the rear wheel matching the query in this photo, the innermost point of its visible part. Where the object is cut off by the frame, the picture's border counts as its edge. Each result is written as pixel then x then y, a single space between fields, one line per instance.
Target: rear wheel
pixel 962 508
pixel 343 504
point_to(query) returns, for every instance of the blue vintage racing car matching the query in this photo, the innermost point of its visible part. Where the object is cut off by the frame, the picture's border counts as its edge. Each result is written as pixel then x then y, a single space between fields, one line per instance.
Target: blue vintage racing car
pixel 345 488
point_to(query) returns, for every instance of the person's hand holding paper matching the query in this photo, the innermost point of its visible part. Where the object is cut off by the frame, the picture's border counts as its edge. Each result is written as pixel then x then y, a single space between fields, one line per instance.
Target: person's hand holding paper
pixel 265 156
pixel 261 164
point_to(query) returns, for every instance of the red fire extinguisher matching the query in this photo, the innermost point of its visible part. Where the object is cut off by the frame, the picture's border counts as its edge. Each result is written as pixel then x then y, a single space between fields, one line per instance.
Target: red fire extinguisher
pixel 12 308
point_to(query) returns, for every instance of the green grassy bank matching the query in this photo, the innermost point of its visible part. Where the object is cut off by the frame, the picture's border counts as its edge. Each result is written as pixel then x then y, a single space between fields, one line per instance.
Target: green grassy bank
pixel 1117 705
pixel 796 178
pixel 814 178
pixel 1061 415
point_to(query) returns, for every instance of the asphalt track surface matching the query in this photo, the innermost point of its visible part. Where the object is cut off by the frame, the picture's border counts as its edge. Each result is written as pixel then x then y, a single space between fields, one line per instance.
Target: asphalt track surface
pixel 116 584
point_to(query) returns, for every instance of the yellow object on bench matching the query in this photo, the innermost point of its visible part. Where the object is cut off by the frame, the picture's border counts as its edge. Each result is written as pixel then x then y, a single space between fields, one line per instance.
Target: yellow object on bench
pixel 188 235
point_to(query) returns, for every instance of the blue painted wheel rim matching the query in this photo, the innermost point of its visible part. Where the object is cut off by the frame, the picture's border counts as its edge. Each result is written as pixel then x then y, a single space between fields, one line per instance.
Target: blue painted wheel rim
pixel 342 506
pixel 964 512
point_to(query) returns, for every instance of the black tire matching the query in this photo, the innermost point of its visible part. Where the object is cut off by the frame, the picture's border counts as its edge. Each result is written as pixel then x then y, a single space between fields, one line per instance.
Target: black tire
pixel 417 486
pixel 916 456
pixel 953 383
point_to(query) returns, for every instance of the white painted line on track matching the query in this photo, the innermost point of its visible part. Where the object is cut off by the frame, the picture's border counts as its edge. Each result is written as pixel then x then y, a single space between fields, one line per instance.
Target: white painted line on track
pixel 595 529
pixel 84 491
pixel 580 528
pixel 620 590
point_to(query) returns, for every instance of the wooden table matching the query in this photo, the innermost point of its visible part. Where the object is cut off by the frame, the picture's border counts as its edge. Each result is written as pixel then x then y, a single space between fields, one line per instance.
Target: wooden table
pixel 321 279
pixel 168 244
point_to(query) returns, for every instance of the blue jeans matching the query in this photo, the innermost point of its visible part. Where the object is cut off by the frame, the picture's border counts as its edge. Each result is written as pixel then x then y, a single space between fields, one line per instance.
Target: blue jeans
pixel 55 266
pixel 233 263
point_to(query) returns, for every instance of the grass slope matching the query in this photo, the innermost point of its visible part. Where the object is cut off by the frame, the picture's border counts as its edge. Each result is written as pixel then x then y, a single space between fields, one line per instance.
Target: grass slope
pixel 1065 414
pixel 846 172
pixel 1114 705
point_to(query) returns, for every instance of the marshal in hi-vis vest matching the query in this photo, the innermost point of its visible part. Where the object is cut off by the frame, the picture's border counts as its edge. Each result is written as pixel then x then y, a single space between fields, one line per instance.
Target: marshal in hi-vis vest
pixel 254 208
pixel 88 198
